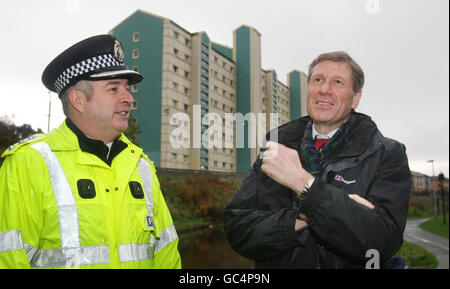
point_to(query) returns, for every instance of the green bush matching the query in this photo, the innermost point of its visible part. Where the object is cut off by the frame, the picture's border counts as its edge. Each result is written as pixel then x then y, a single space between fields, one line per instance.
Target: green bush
pixel 418 209
pixel 194 200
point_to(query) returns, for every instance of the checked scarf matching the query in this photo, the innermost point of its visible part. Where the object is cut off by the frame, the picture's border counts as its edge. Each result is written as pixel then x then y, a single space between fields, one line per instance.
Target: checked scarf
pixel 315 159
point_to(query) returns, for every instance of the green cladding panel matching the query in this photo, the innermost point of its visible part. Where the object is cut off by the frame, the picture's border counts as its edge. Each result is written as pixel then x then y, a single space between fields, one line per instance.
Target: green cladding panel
pixel 243 97
pixel 295 92
pixel 225 51
pixel 204 154
pixel 148 97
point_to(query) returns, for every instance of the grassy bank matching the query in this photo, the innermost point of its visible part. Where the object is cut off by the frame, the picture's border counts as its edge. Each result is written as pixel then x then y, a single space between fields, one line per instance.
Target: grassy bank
pixel 436 226
pixel 417 257
pixel 196 201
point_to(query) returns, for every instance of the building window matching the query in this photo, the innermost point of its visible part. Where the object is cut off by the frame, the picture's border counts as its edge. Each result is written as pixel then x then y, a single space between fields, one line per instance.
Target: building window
pixel 174 103
pixel 173 156
pixel 134 105
pixel 173 121
pixel 175 85
pixel 134 88
pixel 185 158
pixel 136 37
pixel 135 68
pixel 135 54
pixel 175 51
pixel 186 91
pixel 175 68
pixel 175 34
pixel 186 74
pixel 187 41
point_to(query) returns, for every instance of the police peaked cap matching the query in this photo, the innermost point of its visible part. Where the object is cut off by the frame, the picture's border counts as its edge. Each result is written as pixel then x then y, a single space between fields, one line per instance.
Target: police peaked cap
pixel 96 58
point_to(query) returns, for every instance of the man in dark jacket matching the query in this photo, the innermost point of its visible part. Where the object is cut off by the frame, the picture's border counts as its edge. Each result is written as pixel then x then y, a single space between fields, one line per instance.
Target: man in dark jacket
pixel 333 192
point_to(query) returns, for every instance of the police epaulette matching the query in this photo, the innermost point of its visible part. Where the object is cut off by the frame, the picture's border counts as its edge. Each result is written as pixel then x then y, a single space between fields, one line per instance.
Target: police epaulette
pixel 26 141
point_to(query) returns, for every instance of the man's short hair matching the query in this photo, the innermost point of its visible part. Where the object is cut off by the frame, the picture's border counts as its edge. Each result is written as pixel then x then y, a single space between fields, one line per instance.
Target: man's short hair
pixel 84 86
pixel 341 56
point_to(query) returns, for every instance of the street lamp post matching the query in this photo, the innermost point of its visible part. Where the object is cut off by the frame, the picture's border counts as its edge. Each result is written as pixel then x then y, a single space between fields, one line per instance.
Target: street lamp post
pixel 441 186
pixel 49 110
pixel 434 191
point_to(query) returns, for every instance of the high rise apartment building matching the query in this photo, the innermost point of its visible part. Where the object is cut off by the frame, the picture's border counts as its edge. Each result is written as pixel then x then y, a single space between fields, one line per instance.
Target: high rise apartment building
pixel 192 84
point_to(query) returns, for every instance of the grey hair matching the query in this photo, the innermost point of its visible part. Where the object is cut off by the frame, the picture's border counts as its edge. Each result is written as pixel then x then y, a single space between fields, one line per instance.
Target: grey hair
pixel 84 86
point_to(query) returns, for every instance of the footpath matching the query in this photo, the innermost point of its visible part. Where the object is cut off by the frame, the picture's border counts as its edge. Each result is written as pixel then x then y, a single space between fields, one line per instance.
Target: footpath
pixel 435 244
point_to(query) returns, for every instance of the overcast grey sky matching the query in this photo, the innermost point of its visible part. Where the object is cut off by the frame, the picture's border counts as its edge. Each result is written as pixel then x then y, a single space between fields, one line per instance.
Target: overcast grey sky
pixel 402 45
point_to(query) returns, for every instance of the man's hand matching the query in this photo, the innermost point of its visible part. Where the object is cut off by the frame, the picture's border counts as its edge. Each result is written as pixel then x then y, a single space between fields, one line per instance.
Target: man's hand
pixel 361 201
pixel 283 165
pixel 300 224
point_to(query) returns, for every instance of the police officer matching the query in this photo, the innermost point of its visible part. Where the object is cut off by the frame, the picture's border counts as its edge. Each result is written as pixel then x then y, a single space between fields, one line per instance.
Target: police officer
pixel 84 196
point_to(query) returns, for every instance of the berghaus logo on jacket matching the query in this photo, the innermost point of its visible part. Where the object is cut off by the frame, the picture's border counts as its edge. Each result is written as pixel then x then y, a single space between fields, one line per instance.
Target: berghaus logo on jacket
pixel 341 179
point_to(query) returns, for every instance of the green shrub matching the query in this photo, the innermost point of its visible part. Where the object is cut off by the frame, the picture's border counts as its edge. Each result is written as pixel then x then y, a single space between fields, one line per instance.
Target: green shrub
pixel 198 199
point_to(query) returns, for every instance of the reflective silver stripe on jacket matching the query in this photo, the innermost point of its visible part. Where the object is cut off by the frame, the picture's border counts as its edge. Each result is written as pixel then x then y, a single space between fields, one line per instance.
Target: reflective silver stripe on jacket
pixel 70 257
pixel 137 252
pixel 10 240
pixel 71 253
pixel 65 201
pixel 147 180
pixel 167 236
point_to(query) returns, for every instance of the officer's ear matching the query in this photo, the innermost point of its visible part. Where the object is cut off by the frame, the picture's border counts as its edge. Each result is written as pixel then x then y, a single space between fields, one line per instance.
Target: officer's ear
pixel 77 99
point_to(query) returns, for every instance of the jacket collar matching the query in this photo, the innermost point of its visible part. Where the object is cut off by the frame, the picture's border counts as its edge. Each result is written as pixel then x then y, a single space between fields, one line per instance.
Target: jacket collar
pixel 68 137
pixel 291 134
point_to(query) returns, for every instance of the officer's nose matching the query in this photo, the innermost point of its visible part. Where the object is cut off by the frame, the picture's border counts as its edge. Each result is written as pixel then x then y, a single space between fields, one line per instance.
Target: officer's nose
pixel 127 97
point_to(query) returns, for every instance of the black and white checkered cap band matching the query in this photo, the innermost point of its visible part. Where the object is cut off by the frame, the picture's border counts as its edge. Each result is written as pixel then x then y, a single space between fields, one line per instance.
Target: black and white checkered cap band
pixel 85 66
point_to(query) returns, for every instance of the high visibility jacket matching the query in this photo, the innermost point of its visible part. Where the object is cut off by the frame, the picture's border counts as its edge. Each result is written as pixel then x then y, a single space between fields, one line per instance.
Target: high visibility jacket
pixel 61 207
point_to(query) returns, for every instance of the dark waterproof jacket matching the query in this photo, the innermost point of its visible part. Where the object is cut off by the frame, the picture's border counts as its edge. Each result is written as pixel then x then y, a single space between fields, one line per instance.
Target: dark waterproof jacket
pixel 260 218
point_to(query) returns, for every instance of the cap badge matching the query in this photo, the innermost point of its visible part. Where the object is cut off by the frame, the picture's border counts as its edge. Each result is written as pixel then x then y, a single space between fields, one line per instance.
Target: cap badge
pixel 118 51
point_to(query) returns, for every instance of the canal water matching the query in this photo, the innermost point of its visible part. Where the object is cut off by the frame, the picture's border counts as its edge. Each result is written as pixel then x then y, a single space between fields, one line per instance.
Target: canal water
pixel 209 249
